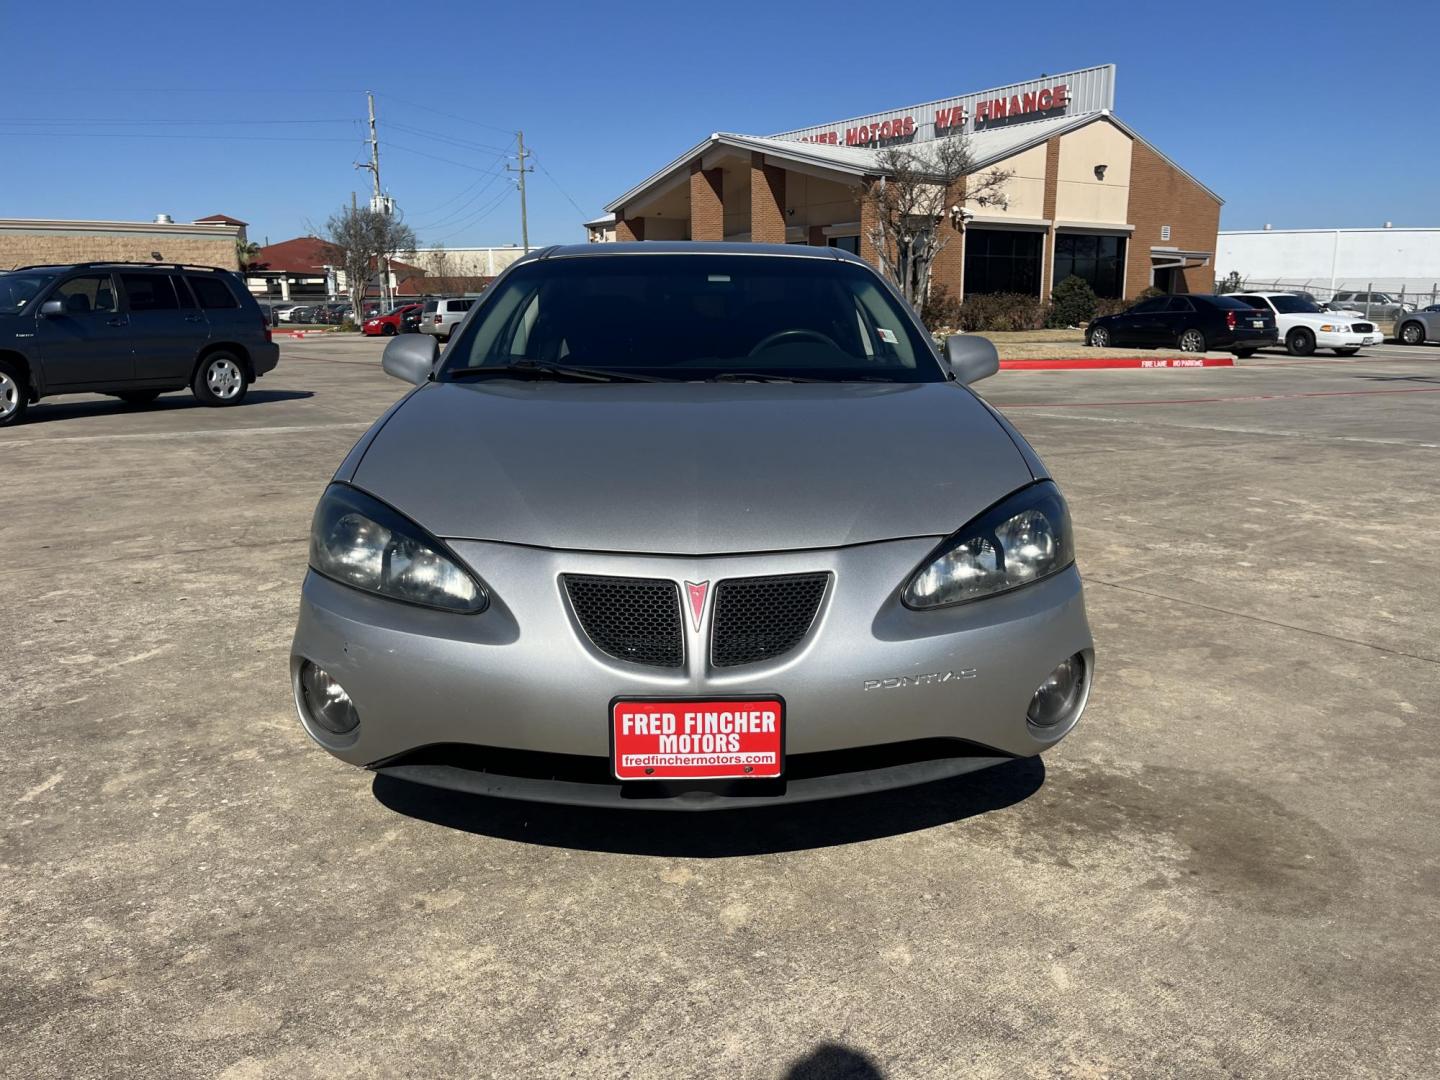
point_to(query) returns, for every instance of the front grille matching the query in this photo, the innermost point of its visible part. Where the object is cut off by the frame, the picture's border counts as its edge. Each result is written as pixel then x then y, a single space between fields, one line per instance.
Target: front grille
pixel 763 617
pixel 632 619
pixel 1362 327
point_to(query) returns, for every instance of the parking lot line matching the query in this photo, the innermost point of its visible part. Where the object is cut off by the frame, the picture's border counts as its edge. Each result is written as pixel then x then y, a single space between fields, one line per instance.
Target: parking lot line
pixel 1216 400
pixel 162 436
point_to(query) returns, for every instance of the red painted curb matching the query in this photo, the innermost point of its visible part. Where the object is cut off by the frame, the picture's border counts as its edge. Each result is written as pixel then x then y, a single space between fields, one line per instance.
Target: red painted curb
pixel 1117 362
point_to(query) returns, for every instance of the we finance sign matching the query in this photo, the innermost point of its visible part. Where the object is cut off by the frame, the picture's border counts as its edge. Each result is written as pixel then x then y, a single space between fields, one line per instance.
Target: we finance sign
pixel 1071 94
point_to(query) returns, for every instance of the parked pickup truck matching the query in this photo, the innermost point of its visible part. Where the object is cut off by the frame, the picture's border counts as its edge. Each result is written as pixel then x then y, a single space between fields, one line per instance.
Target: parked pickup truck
pixel 1304 327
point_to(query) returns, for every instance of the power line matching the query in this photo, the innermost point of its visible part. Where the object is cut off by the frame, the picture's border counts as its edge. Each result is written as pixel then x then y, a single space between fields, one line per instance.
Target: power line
pixel 480 215
pixel 434 157
pixel 132 121
pixel 558 188
pixel 159 135
pixel 463 144
pixel 450 116
pixel 454 215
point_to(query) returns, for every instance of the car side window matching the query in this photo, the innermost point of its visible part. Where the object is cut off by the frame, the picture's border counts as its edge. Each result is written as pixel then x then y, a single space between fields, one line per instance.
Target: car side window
pixel 92 293
pixel 182 292
pixel 149 292
pixel 1179 303
pixel 1155 303
pixel 1261 302
pixel 212 293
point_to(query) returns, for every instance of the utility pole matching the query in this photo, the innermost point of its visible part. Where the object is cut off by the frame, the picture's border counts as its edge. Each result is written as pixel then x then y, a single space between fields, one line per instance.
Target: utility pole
pixel 522 170
pixel 376 204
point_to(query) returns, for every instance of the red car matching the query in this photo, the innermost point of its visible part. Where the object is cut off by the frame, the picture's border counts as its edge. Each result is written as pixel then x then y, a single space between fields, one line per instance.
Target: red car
pixel 395 321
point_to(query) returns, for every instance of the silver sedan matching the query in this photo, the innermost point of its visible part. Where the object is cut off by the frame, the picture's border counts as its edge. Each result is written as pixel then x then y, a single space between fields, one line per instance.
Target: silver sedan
pixel 690 526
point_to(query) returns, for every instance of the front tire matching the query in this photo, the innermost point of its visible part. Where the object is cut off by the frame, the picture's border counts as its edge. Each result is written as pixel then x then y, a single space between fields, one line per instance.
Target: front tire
pixel 1099 338
pixel 1346 352
pixel 1192 341
pixel 387 330
pixel 14 395
pixel 1300 342
pixel 1412 333
pixel 221 380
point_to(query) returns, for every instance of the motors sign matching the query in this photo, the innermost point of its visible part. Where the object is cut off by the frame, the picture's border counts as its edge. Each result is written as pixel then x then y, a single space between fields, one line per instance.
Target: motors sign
pixel 1071 94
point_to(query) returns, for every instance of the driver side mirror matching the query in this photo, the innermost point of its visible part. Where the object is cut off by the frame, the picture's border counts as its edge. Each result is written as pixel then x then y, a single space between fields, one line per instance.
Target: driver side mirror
pixel 970 358
pixel 410 357
pixel 52 307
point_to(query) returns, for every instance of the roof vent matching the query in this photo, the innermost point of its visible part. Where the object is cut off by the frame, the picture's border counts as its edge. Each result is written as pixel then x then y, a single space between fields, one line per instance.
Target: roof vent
pixel 164 219
pixel 1268 226
pixel 1389 224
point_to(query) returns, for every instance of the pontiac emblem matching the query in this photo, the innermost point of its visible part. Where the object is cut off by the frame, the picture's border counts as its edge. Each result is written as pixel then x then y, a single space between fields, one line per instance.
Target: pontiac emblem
pixel 696 592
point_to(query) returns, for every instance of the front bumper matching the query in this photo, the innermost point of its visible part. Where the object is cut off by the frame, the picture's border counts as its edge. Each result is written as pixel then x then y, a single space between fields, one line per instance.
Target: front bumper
pixel 1329 339
pixel 515 701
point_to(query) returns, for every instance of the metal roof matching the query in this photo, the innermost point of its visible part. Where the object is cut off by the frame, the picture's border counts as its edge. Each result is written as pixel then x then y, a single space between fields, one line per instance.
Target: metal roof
pixel 989 147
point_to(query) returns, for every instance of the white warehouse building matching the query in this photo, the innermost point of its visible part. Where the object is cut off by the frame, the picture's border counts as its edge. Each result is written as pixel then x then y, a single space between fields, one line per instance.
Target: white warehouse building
pixel 1323 261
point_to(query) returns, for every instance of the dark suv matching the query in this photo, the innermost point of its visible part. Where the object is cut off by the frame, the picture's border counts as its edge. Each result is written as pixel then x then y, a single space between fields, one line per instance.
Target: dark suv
pixel 134 330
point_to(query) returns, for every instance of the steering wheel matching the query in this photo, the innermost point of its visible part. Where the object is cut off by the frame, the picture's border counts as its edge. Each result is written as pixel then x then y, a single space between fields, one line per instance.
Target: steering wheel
pixel 791 335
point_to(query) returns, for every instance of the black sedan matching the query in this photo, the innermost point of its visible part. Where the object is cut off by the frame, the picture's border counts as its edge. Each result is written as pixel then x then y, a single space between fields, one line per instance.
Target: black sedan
pixel 1194 322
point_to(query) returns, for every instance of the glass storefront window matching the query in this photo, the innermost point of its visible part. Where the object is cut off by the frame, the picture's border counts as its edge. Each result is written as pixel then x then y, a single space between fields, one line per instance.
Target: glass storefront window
pixel 1100 260
pixel 846 243
pixel 1002 261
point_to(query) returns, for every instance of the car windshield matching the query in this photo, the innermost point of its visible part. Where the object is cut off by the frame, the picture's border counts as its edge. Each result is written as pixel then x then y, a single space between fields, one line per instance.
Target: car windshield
pixel 701 316
pixel 1294 305
pixel 17 290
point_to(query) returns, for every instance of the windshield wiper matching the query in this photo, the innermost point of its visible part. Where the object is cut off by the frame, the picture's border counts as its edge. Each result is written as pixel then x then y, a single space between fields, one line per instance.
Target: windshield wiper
pixel 540 369
pixel 758 376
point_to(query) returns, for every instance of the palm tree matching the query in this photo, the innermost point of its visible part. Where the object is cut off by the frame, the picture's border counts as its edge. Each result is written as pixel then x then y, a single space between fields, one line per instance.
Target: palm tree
pixel 246 252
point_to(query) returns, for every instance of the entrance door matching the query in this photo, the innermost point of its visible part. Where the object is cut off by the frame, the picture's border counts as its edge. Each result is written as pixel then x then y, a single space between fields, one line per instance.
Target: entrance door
pixel 89 344
pixel 1165 278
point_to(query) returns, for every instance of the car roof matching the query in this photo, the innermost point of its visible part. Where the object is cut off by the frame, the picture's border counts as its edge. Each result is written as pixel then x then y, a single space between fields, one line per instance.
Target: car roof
pixel 693 247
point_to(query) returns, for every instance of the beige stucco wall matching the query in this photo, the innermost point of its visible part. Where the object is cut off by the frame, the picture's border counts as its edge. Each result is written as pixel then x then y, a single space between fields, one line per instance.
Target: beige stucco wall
pixel 1079 196
pixel 1024 191
pixel 467 262
pixel 24 243
pixel 817 201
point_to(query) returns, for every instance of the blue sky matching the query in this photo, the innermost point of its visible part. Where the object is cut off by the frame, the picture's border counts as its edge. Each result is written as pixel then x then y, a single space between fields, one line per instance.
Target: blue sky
pixel 1302 115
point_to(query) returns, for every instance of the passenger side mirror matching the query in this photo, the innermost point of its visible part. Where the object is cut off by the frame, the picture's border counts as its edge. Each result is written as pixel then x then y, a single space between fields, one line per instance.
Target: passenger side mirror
pixel 52 307
pixel 410 357
pixel 970 358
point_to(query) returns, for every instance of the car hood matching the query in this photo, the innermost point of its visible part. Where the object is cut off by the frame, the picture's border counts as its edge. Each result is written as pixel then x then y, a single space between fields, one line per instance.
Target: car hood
pixel 691 469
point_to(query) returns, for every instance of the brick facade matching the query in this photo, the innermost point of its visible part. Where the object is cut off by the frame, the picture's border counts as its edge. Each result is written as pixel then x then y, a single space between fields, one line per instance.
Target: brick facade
pixel 1161 194
pixel 948 269
pixel 22 244
pixel 767 201
pixel 707 207
pixel 629 228
pixel 1052 189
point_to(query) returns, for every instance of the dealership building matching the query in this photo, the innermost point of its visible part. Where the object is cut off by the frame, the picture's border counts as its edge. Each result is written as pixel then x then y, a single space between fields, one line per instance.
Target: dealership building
pixel 1087 194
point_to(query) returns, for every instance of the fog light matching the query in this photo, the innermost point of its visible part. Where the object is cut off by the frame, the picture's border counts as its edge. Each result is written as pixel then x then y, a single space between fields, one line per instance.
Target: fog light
pixel 326 701
pixel 1059 695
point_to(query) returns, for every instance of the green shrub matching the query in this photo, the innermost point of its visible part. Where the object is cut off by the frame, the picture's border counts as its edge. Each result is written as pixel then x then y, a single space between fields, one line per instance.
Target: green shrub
pixel 1003 312
pixel 941 310
pixel 1072 303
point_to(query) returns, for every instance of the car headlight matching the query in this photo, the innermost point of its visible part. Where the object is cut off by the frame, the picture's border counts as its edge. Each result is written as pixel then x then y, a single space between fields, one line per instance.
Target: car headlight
pixel 1335 328
pixel 359 541
pixel 1023 538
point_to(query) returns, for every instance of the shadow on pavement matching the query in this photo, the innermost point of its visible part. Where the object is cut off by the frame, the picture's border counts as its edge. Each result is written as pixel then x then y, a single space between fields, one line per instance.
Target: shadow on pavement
pixel 831 1061
pixel 50 411
pixel 718 834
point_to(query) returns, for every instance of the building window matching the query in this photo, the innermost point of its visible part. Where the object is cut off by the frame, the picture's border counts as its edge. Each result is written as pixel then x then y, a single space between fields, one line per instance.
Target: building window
pixel 1001 261
pixel 1100 260
pixel 846 243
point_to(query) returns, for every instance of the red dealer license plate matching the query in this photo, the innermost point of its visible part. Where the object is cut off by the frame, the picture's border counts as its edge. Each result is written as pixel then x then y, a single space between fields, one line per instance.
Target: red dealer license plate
pixel 711 739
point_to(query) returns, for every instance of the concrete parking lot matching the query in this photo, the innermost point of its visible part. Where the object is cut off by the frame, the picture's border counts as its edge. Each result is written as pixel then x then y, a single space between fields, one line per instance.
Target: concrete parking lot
pixel 1232 868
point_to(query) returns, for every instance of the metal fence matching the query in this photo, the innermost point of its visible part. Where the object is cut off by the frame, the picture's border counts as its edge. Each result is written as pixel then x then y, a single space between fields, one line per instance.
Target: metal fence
pixel 1405 298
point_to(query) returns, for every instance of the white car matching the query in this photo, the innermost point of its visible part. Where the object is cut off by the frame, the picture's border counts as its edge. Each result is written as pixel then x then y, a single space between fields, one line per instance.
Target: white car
pixel 1304 327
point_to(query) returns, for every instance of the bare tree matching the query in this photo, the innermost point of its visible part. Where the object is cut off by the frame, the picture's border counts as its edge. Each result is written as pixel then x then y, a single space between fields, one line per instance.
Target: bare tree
pixel 922 188
pixel 366 240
